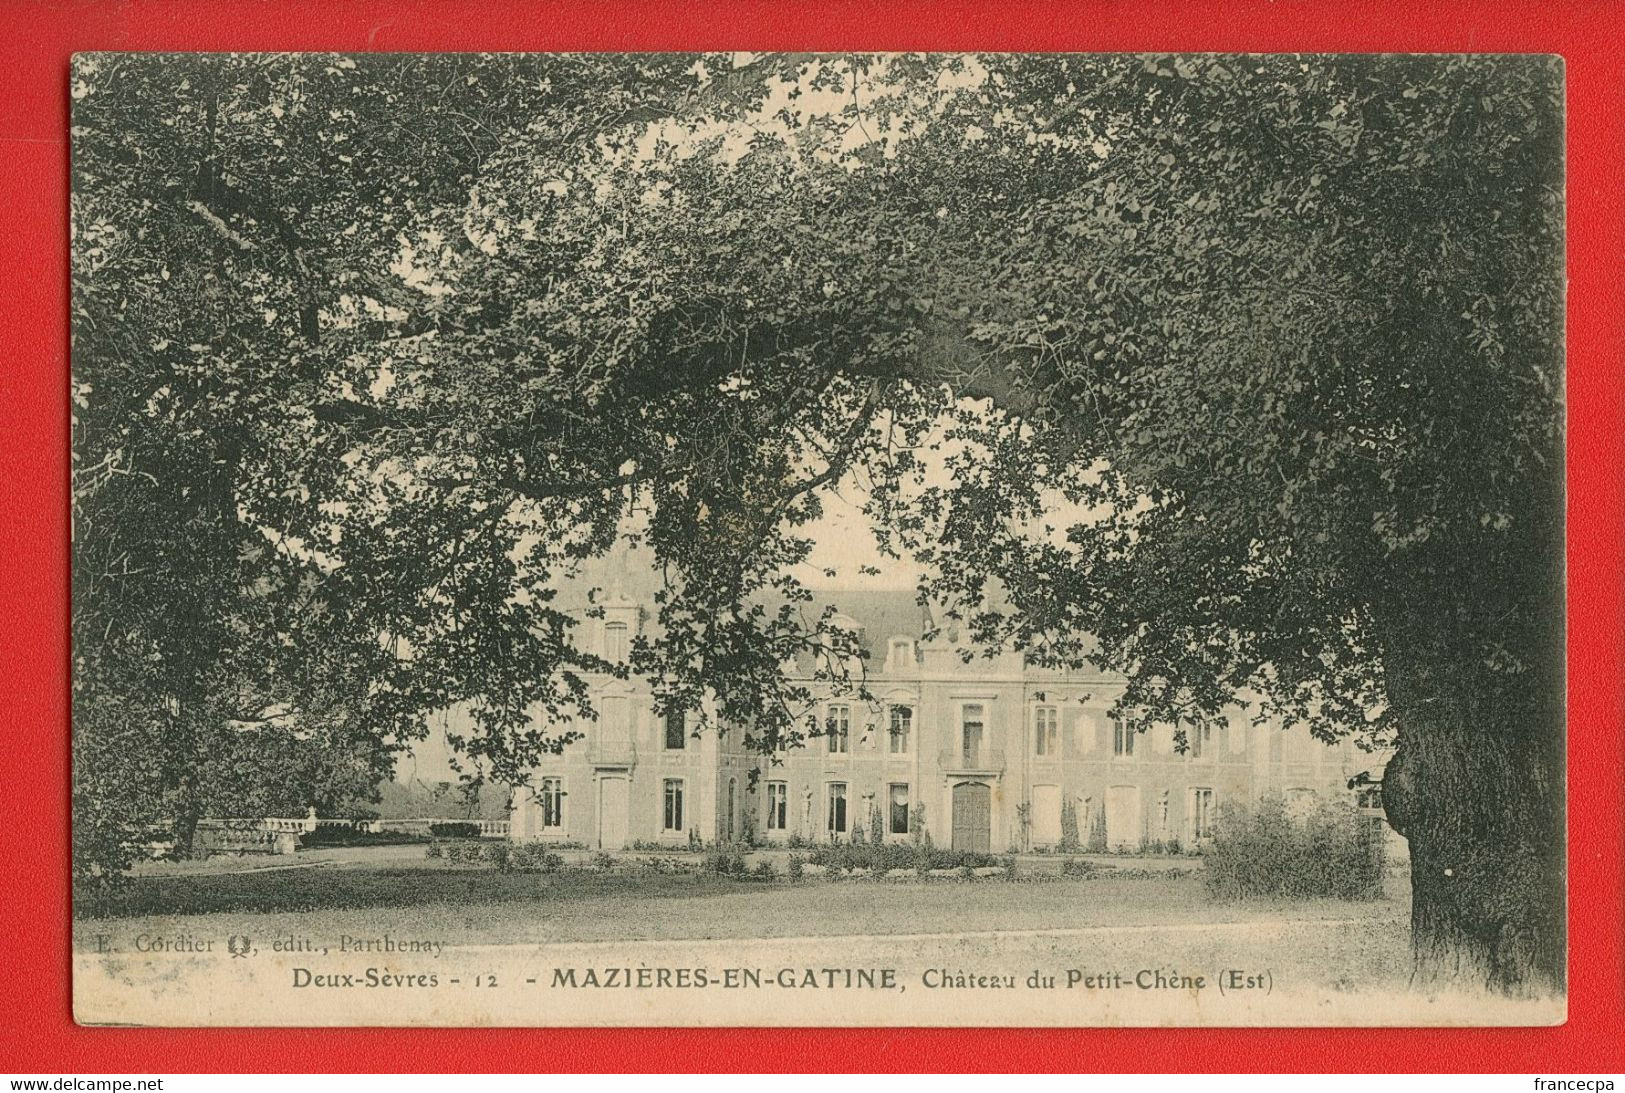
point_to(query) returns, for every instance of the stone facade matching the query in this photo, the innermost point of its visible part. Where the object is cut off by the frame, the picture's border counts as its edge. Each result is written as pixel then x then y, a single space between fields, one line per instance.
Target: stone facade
pixel 986 754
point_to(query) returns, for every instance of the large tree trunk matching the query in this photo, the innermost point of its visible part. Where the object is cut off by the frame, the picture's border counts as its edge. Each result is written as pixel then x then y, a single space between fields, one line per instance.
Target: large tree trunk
pixel 1476 787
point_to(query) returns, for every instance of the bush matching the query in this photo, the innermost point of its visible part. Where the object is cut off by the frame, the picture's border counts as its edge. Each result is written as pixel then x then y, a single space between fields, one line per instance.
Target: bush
pixel 334 835
pixel 1097 830
pixel 435 851
pixel 603 861
pixel 534 858
pixel 458 829
pixel 726 863
pixel 763 870
pixel 1076 867
pixel 886 856
pixel 1334 853
pixel 1070 843
pixel 795 869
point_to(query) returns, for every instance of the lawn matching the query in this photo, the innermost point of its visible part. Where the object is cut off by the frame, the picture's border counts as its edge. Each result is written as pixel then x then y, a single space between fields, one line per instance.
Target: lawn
pixel 1318 953
pixel 477 905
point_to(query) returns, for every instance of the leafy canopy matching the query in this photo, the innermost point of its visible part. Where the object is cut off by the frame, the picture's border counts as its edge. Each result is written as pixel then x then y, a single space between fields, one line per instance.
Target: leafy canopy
pixel 1246 367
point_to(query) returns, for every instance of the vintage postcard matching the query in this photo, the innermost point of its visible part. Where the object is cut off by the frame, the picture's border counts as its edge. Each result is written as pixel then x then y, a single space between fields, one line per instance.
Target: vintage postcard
pixel 818 539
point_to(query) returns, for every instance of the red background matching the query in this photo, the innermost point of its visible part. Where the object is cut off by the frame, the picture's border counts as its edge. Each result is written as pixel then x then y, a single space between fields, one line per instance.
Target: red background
pixel 38 1030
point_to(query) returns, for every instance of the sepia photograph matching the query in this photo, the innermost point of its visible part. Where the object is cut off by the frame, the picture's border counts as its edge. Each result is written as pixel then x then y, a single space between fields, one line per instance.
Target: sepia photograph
pixel 818 539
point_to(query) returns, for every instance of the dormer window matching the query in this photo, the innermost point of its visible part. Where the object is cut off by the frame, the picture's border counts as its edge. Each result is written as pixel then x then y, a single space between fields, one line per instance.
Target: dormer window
pixel 901 653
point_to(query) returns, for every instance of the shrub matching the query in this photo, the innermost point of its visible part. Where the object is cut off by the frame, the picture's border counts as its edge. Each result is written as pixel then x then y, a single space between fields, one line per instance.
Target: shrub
pixel 335 835
pixel 498 854
pixel 456 829
pixel 603 861
pixel 1076 867
pixel 868 856
pixel 1263 851
pixel 434 851
pixel 1070 844
pixel 763 870
pixel 726 863
pixel 916 823
pixel 795 868
pixel 1097 830
pixel 797 842
pixel 877 825
pixel 534 858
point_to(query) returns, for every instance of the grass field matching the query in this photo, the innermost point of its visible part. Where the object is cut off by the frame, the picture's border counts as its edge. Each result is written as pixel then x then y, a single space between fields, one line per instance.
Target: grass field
pixel 521 924
pixel 485 906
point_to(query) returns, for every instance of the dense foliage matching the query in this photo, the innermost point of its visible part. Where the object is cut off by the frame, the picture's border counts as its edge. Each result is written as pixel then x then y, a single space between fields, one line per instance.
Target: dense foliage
pixel 1263 850
pixel 1232 374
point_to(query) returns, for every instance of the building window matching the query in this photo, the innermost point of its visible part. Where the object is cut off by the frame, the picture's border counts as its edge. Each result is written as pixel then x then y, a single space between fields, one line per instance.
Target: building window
pixel 778 805
pixel 838 729
pixel 900 739
pixel 1200 814
pixel 1122 737
pixel 1200 740
pixel 836 813
pixel 672 819
pixel 972 720
pixel 898 794
pixel 552 802
pixel 1046 732
pixel 676 730
pixel 1368 797
pixel 615 641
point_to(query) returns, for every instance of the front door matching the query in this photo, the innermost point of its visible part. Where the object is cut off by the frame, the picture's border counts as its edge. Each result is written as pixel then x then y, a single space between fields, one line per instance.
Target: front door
pixel 973 817
pixel 612 799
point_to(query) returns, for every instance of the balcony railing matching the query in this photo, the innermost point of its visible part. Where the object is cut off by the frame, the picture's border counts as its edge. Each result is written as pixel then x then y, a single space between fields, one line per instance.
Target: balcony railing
pixel 985 757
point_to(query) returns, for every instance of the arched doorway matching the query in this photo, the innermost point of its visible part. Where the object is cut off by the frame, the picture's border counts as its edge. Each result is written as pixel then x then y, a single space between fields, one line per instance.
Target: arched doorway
pixel 973 817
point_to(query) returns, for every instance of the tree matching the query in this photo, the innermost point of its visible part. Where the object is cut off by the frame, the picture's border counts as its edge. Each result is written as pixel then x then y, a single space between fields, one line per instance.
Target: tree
pixel 235 219
pixel 1273 343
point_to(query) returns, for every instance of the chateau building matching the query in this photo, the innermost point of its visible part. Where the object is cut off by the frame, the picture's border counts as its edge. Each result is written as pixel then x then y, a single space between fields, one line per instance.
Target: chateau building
pixel 986 755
